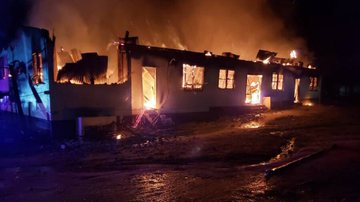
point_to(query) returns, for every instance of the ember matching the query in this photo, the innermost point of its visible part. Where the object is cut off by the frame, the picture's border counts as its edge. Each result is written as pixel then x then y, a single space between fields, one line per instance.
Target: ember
pixel 308 104
pixel 118 137
pixel 266 61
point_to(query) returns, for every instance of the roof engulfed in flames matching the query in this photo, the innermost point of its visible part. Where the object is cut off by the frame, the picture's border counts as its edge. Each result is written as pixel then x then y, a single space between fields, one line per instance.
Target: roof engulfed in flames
pixel 240 27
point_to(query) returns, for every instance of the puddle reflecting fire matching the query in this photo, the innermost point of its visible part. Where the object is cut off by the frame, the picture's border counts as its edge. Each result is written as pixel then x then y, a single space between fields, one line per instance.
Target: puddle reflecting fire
pixel 251 124
pixel 154 186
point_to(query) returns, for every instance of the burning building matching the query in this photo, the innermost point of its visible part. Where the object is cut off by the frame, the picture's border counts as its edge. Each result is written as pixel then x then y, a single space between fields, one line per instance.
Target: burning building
pixel 25 74
pixel 59 87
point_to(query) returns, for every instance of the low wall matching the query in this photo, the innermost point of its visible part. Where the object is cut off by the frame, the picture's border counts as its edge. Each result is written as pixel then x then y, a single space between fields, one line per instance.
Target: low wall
pixel 69 101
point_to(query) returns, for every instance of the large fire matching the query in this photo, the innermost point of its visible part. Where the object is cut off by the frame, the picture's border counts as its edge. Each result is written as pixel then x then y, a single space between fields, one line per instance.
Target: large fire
pixel 255 96
pixel 168 24
pixel 266 61
pixel 149 87
pixel 150 104
pixel 253 89
pixel 293 54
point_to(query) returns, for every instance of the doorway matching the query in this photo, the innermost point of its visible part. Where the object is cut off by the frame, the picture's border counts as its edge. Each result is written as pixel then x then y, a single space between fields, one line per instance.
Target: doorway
pixel 296 91
pixel 253 89
pixel 149 87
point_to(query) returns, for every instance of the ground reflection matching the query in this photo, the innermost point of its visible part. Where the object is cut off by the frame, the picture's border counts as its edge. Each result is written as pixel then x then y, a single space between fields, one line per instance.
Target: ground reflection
pixel 253 188
pixel 154 186
pixel 251 124
pixel 257 185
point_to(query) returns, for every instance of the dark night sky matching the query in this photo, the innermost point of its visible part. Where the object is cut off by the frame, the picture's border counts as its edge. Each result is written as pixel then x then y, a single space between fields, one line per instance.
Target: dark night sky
pixel 331 29
pixel 13 13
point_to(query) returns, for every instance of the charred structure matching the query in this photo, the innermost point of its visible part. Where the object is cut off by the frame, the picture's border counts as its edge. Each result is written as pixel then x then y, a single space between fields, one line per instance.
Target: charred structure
pixel 168 81
pixel 86 70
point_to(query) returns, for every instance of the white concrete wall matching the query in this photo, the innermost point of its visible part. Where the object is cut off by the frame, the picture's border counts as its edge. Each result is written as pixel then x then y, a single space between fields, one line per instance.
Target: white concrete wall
pixel 174 99
pixel 181 100
pixel 136 86
pixel 69 101
pixel 279 96
pixel 306 93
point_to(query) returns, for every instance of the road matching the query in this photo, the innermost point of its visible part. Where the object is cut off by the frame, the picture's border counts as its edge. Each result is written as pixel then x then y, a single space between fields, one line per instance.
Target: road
pixel 223 160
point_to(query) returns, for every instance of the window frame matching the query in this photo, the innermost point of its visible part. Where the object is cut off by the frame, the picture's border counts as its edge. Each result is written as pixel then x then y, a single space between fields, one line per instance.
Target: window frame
pixel 192 85
pixel 226 79
pixel 38 69
pixel 314 83
pixel 276 82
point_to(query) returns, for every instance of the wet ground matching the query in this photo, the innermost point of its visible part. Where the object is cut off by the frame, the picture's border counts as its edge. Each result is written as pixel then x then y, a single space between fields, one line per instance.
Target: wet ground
pixel 304 153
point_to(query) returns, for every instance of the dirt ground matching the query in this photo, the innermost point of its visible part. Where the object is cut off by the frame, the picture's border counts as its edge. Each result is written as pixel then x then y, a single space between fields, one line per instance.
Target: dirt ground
pixel 304 153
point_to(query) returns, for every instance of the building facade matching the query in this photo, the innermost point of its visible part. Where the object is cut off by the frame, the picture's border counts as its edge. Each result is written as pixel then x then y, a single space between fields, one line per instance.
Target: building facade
pixel 168 80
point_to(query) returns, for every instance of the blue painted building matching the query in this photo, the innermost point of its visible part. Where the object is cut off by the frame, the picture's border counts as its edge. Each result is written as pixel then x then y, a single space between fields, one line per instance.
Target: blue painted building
pixel 25 79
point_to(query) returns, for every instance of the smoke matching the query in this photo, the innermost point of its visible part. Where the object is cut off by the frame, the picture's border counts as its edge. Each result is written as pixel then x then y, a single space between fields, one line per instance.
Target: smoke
pixel 238 26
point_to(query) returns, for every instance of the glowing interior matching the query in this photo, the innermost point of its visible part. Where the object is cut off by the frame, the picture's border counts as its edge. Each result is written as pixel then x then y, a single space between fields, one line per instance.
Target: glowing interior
pixel 149 87
pixel 193 77
pixel 296 91
pixel 253 89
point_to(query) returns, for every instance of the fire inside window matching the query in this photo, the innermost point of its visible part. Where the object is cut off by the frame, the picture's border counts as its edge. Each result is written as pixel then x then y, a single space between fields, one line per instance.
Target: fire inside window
pixel 38 74
pixel 277 81
pixel 313 83
pixel 226 79
pixel 193 77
